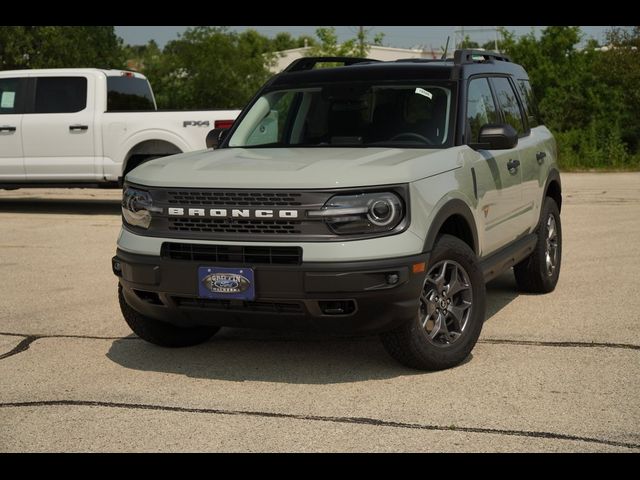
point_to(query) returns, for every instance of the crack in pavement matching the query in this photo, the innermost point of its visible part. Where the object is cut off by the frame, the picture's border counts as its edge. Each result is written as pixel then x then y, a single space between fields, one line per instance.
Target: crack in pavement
pixel 319 418
pixel 21 347
pixel 30 338
pixel 499 341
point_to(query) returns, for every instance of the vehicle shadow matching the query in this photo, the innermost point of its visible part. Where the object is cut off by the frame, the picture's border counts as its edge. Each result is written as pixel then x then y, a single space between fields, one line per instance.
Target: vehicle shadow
pixel 501 291
pixel 239 355
pixel 67 206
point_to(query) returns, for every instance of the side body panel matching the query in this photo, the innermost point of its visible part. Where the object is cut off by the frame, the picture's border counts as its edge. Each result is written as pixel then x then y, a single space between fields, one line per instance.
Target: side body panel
pixel 53 149
pixel 123 131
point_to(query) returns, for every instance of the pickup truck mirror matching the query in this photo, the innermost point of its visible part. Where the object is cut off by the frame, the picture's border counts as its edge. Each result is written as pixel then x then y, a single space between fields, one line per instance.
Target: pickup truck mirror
pixel 496 136
pixel 215 137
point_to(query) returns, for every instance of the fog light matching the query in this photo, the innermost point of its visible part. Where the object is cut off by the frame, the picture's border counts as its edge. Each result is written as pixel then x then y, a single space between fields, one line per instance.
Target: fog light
pixel 392 278
pixel 116 266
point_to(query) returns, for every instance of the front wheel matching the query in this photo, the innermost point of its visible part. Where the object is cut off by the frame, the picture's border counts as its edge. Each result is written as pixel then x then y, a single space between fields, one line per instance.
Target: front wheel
pixel 450 311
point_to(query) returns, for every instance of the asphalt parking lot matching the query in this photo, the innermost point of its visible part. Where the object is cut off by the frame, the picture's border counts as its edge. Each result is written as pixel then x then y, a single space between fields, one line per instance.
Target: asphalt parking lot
pixel 553 373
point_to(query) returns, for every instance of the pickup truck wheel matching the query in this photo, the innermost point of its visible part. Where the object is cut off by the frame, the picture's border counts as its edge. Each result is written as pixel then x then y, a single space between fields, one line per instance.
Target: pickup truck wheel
pixel 161 333
pixel 450 311
pixel 539 272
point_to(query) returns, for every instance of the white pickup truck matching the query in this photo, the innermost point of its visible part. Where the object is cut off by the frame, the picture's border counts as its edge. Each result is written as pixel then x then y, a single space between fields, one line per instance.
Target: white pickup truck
pixel 80 127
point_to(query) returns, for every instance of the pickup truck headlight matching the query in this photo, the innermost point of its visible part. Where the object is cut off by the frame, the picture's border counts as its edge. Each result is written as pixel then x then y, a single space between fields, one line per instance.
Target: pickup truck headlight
pixel 362 213
pixel 137 206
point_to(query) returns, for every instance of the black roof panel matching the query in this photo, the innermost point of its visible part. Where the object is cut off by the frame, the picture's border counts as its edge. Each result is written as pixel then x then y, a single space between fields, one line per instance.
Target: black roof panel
pixel 407 69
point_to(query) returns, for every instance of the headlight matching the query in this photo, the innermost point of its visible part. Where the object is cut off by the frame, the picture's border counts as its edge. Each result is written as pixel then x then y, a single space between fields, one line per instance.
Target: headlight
pixel 363 213
pixel 137 206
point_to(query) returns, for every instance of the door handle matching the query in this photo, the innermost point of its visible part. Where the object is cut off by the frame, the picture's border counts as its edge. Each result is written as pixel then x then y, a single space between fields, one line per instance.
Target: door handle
pixel 512 166
pixel 7 128
pixel 540 156
pixel 78 127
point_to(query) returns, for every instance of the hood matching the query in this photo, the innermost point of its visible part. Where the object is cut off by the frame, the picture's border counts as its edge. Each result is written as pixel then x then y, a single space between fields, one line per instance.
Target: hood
pixel 293 167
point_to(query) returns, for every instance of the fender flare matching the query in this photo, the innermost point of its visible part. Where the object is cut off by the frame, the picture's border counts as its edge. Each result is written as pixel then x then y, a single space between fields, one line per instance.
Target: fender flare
pixel 452 207
pixel 151 135
pixel 553 176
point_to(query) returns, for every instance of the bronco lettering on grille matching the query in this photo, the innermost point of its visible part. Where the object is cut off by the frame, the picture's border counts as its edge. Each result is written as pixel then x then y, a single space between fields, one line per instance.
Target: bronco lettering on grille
pixel 231 213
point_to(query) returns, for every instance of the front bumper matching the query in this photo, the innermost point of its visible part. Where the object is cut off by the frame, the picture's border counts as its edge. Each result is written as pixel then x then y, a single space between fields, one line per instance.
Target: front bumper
pixel 337 297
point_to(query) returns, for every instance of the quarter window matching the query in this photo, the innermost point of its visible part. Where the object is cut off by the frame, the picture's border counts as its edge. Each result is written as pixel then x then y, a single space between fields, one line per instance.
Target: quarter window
pixel 60 94
pixel 529 103
pixel 508 103
pixel 480 107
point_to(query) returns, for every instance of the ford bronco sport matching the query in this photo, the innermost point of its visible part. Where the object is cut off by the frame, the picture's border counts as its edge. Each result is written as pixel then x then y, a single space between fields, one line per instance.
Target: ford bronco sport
pixel 369 198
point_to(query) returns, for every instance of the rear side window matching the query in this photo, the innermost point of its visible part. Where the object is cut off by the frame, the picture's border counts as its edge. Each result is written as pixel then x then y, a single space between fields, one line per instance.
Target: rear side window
pixel 508 103
pixel 530 106
pixel 128 93
pixel 10 95
pixel 60 94
pixel 481 108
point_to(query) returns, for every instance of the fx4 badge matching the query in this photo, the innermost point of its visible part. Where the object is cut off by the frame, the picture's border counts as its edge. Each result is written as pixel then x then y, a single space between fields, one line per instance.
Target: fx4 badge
pixel 195 123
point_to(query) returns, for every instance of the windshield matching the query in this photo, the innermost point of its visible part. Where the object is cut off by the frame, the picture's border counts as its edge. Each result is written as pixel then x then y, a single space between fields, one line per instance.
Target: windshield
pixel 350 115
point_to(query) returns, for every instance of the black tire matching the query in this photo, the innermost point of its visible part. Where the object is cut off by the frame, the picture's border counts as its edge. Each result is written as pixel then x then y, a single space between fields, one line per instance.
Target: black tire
pixel 531 274
pixel 409 344
pixel 161 333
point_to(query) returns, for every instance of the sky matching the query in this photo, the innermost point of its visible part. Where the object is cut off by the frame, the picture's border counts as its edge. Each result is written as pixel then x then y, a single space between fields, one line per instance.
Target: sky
pixel 403 37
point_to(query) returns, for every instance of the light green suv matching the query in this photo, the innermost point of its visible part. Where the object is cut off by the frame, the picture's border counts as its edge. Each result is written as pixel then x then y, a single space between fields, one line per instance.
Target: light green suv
pixel 369 198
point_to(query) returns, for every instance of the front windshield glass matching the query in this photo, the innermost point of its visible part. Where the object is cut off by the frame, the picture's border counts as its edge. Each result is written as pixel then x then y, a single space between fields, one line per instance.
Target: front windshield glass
pixel 350 115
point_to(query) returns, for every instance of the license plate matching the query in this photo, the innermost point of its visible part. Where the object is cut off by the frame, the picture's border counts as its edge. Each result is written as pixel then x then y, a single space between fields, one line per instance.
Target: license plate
pixel 226 283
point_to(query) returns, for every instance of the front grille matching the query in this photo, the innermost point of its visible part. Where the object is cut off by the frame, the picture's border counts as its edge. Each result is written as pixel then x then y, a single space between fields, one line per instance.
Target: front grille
pixel 235 199
pixel 235 228
pixel 175 215
pixel 238 254
pixel 271 307
pixel 229 225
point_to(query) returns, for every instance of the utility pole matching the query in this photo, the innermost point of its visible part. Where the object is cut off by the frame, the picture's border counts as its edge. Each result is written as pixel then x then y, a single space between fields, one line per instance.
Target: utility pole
pixel 361 38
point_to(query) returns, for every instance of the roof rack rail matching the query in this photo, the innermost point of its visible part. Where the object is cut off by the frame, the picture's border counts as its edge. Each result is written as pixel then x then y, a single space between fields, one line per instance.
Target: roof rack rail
pixel 307 63
pixel 421 60
pixel 463 57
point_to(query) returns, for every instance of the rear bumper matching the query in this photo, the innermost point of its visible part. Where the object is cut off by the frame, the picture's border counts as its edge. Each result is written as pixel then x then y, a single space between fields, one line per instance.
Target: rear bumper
pixel 338 297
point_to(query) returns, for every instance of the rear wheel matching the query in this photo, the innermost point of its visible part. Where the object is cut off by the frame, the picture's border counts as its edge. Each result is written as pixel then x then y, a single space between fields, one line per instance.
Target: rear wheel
pixel 162 333
pixel 539 272
pixel 450 311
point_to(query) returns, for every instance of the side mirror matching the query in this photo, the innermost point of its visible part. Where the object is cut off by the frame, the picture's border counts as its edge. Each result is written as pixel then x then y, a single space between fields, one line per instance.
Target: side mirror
pixel 496 136
pixel 216 136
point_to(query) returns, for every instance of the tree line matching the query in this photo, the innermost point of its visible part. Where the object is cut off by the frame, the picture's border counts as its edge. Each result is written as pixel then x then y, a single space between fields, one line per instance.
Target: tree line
pixel 589 97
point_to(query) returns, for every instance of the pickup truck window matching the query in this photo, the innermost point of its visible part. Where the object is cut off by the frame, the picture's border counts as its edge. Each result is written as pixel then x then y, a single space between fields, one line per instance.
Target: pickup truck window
pixel 350 115
pixel 9 95
pixel 129 94
pixel 60 94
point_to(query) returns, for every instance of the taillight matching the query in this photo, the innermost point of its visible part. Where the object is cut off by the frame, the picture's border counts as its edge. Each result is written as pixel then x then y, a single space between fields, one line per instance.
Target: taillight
pixel 223 123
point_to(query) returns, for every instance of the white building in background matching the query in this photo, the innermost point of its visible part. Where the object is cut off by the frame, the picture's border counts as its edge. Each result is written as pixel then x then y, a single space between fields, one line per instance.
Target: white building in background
pixel 376 52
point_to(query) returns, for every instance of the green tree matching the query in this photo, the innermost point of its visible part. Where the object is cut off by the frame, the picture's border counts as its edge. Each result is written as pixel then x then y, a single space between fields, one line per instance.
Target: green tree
pixel 141 57
pixel 328 45
pixel 586 96
pixel 619 68
pixel 60 47
pixel 285 41
pixel 468 43
pixel 210 67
